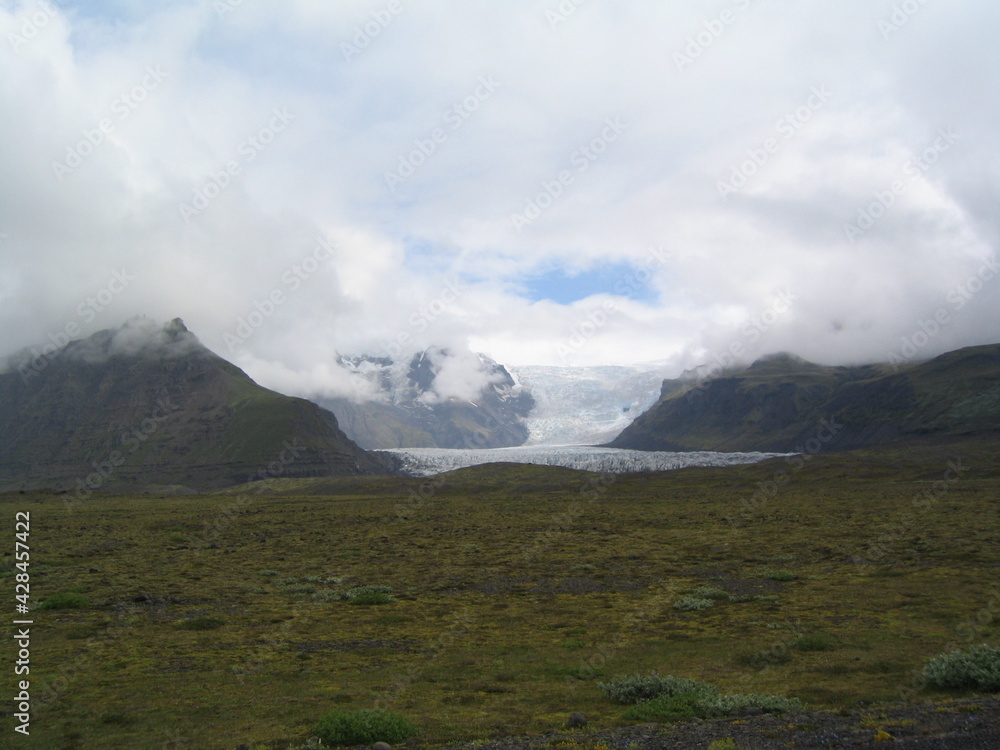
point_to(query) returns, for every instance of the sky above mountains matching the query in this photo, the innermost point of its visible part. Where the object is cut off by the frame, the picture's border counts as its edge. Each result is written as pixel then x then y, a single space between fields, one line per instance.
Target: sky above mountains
pixel 563 182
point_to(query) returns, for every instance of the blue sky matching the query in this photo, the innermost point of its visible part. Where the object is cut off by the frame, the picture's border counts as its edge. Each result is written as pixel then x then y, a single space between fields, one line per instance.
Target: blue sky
pixel 566 287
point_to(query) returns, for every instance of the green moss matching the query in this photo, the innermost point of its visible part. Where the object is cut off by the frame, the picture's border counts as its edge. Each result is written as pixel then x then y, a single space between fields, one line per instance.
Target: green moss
pixel 67 600
pixel 813 642
pixel 977 668
pixel 665 709
pixel 778 575
pixel 364 727
pixel 692 604
pixel 487 598
pixel 201 623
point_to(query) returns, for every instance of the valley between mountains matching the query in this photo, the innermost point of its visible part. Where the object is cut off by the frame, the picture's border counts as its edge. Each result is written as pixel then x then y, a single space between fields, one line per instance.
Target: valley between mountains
pixel 214 564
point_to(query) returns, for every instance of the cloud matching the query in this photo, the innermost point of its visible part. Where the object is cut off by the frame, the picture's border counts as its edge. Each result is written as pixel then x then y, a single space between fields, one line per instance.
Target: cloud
pixel 460 375
pixel 205 152
pixel 137 337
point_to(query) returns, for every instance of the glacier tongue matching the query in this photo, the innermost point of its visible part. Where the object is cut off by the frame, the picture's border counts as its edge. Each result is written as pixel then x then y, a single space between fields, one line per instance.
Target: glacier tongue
pixel 423 462
pixel 587 405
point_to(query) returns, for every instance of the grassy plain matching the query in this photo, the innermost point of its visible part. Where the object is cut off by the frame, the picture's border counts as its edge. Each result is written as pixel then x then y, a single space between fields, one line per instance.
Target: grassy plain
pixel 214 620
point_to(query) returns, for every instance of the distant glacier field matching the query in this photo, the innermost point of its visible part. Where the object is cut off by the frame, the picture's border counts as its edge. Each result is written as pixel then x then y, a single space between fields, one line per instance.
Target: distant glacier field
pixel 424 462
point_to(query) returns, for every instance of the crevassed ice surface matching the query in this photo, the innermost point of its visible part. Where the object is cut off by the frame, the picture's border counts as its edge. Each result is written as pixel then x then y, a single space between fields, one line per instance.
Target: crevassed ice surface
pixel 423 462
pixel 587 405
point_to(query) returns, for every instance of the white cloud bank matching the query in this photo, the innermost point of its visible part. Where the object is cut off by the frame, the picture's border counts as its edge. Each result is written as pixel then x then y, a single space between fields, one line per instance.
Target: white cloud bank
pixel 301 179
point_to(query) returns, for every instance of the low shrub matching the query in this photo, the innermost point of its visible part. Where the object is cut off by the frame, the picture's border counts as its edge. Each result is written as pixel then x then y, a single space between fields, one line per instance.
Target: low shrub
pixel 368 599
pixel 363 727
pixel 640 688
pixel 778 575
pixel 669 699
pixel 370 595
pixel 64 601
pixel 711 592
pixel 665 710
pixel 327 596
pixel 692 604
pixel 313 743
pixel 728 705
pixel 813 642
pixel 727 744
pixel 975 669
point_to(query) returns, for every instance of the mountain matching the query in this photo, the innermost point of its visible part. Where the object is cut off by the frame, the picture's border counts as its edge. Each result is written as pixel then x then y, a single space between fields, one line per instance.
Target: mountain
pixel 433 399
pixel 586 405
pixel 785 404
pixel 149 405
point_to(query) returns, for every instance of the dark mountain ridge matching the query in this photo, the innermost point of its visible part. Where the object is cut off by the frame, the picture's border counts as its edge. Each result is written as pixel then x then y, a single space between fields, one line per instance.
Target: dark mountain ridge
pixel 781 402
pixel 149 405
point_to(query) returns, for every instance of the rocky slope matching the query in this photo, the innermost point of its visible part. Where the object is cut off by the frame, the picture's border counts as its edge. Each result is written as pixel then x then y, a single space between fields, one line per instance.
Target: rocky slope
pixel 434 399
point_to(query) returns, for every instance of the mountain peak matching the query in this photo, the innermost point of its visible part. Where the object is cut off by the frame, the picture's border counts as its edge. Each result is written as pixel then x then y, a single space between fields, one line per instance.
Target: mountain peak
pixel 780 359
pixel 148 404
pixel 138 337
pixel 437 397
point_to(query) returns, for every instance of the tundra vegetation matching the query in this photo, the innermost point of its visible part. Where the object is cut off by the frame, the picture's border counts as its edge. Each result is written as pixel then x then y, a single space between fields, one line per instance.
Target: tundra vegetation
pixel 503 603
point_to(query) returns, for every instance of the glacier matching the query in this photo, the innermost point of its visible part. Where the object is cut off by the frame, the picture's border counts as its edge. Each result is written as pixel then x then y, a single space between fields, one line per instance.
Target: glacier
pixel 587 405
pixel 424 462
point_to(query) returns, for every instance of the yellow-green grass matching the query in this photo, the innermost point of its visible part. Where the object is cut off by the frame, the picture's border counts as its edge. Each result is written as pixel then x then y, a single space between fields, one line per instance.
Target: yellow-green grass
pixel 517 590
